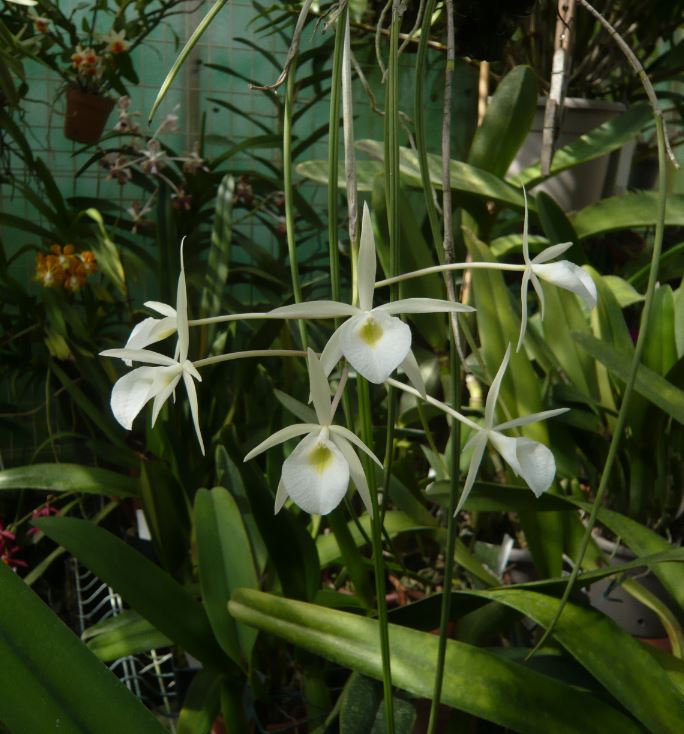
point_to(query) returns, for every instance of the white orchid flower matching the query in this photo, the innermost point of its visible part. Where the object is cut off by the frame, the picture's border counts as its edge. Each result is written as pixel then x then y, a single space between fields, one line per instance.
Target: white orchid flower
pixel 373 340
pixel 151 329
pixel 529 459
pixel 316 474
pixel 134 390
pixel 564 274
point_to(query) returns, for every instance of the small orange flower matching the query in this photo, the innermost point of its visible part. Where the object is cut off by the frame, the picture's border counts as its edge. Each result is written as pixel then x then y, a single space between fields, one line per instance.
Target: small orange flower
pixel 65 267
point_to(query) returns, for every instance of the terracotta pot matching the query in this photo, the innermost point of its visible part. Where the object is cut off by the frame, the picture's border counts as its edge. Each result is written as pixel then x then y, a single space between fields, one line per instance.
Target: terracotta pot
pixel 86 115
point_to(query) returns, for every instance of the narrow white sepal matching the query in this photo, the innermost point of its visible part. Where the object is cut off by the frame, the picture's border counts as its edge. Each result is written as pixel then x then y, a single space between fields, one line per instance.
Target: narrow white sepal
pixel 165 381
pixel 149 331
pixel 375 344
pixel 533 418
pixel 412 370
pixel 358 476
pixel 523 307
pixel 320 389
pixel 281 496
pixel 366 264
pixel 478 443
pixel 313 310
pixel 317 487
pixel 194 408
pixel 332 352
pixel 353 438
pixel 493 394
pixel 423 305
pixel 162 308
pixel 281 436
pixel 551 252
pixel 182 312
pixel 140 355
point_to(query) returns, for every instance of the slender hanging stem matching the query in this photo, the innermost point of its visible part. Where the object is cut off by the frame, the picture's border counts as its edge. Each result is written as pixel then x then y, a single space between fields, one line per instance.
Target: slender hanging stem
pixel 378 563
pixel 455 368
pixel 333 155
pixel 645 319
pixel 289 193
pixel 419 122
pixel 248 354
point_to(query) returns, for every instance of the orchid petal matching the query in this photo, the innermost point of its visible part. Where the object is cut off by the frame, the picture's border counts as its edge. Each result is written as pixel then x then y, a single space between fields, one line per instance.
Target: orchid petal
pixel 165 381
pixel 140 355
pixel 526 242
pixel 423 305
pixel 539 291
pixel 182 312
pixel 523 305
pixel 332 352
pixel 493 394
pixel 551 253
pixel 163 308
pixel 281 496
pixel 567 275
pixel 533 418
pixel 412 370
pixel 320 389
pixel 194 408
pixel 353 438
pixel 316 475
pixel 366 264
pixel 358 476
pixel 149 331
pixel 281 436
pixel 478 443
pixel 375 344
pixel 130 394
pixel 529 459
pixel 313 310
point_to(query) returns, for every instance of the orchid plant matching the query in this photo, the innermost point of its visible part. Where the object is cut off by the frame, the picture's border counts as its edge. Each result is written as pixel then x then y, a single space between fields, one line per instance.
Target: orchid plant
pixel 374 343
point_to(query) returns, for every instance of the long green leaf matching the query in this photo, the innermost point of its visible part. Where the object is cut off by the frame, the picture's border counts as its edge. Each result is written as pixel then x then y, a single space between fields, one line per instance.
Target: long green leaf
pixel 201 705
pixel 126 634
pixel 612 656
pixel 69 478
pixel 604 139
pixel 629 211
pixel 225 563
pixel 506 123
pixel 148 589
pixel 180 60
pixel 648 383
pixel 218 260
pixel 50 681
pixel 475 680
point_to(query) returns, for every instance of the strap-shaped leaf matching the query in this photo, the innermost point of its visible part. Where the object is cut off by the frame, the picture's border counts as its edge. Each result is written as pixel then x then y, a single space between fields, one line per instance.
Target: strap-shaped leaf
pixel 612 656
pixel 225 563
pixel 648 383
pixel 50 681
pixel 475 680
pixel 69 478
pixel 149 590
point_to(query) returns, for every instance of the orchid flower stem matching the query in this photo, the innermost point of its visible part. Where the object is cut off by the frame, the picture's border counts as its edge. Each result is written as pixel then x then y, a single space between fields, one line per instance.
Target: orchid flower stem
pixel 511 267
pixel 227 317
pixel 248 354
pixel 636 359
pixel 437 404
pixel 452 528
pixel 333 154
pixel 419 122
pixel 428 434
pixel 289 194
pixel 376 538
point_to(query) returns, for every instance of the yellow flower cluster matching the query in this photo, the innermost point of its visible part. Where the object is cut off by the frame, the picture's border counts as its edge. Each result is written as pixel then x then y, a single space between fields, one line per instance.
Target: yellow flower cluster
pixel 65 268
